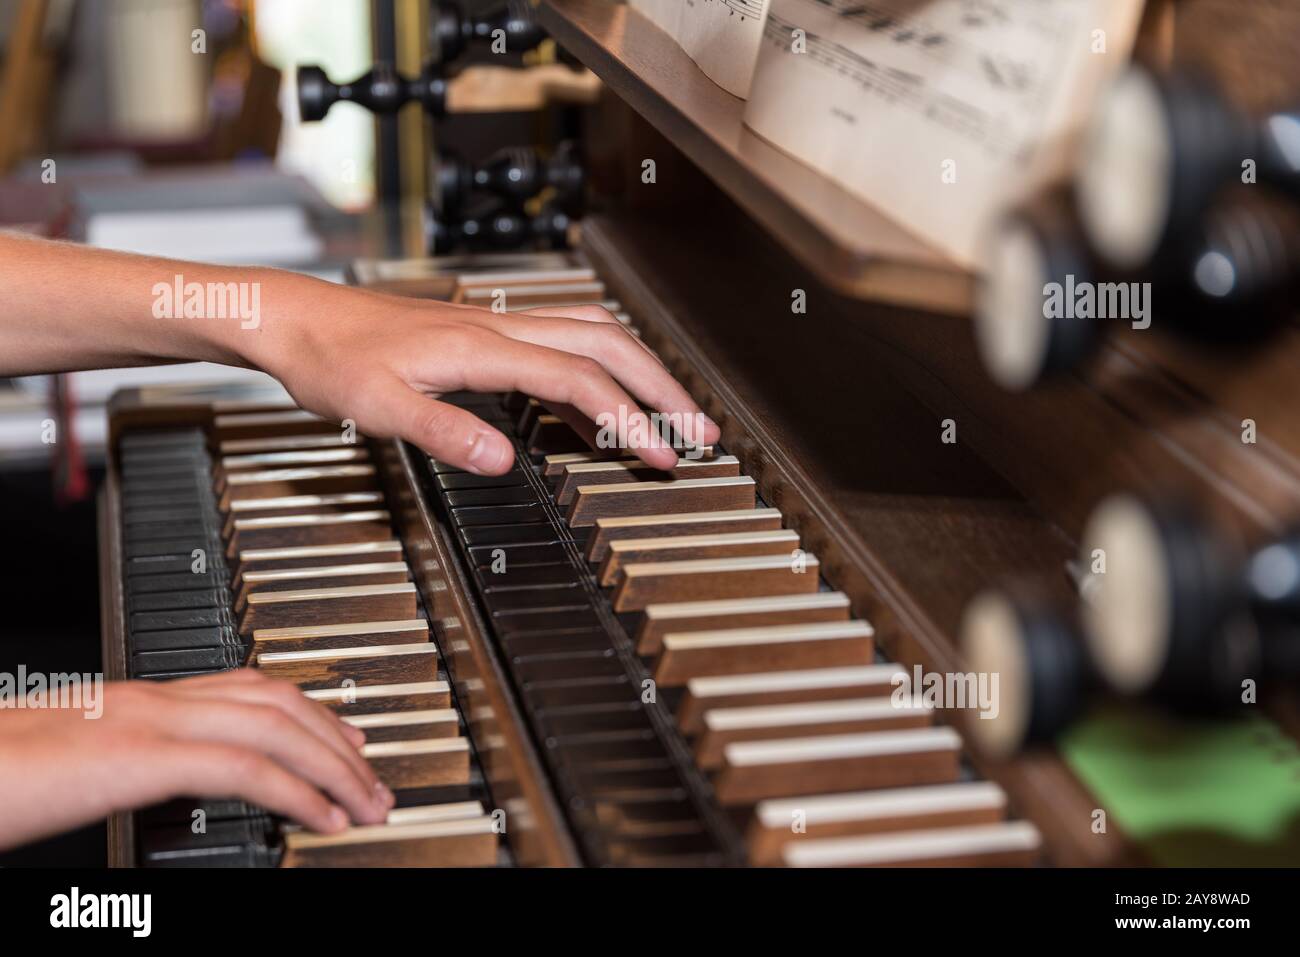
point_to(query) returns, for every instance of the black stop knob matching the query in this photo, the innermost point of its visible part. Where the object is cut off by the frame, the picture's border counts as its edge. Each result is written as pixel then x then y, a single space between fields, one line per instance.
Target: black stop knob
pixel 383 90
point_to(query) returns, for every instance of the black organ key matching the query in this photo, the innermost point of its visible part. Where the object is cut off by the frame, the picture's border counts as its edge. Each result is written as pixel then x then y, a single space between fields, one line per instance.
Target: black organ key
pixel 532 532
pixel 528 576
pixel 181 639
pixel 179 600
pixel 572 641
pixel 538 600
pixel 521 495
pixel 576 618
pixel 513 556
pixel 234 843
pixel 456 481
pixel 185 661
pixel 498 515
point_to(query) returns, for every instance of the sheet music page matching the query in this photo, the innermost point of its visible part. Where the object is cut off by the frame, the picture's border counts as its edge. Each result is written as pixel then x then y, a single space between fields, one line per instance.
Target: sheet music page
pixel 721 36
pixel 937 111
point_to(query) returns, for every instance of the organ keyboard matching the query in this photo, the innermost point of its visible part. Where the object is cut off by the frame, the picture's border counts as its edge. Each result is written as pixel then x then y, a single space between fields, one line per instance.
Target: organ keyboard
pixel 582 661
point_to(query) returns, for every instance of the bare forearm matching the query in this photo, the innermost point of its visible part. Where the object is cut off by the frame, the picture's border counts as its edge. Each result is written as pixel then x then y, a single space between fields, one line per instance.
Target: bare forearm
pixel 342 352
pixel 68 307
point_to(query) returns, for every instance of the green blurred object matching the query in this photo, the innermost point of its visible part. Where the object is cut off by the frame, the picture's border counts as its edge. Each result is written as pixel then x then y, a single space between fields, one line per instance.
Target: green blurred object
pixel 1194 793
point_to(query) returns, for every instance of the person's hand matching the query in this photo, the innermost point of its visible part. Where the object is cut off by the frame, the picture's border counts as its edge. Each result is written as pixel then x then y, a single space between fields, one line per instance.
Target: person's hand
pixel 230 735
pixel 342 352
pixel 382 360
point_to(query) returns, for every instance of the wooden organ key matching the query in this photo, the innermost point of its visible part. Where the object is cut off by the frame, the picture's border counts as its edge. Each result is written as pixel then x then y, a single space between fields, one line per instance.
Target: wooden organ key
pixel 301 505
pixel 339 636
pixel 1010 844
pixel 407 725
pixel 591 502
pixel 605 531
pixel 619 471
pixel 855 814
pixel 349 603
pixel 704 654
pixel 286 579
pixel 469 842
pixel 783 687
pixel 724 726
pixel 753 770
pixel 383 699
pixel 365 665
pixel 632 551
pixel 690 616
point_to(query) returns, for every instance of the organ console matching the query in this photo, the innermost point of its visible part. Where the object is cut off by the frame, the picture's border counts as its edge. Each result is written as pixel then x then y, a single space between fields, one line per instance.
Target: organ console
pixel 758 658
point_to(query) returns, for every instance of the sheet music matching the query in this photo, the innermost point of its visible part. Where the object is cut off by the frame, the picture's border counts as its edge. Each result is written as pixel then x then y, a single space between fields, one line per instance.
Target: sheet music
pixel 721 36
pixel 888 96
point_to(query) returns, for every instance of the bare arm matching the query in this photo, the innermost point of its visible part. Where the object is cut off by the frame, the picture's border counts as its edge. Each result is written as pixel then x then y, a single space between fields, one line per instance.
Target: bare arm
pixel 342 352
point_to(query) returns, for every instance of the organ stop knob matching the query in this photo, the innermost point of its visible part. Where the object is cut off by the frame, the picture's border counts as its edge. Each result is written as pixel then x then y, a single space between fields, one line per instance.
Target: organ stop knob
pixel 1180 609
pixel 382 90
pixel 1044 676
pixel 514 25
pixel 1232 280
pixel 1160 149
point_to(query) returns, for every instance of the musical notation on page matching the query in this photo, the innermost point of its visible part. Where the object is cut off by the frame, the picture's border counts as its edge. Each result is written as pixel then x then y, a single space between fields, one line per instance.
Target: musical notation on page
pixel 721 36
pixel 937 111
